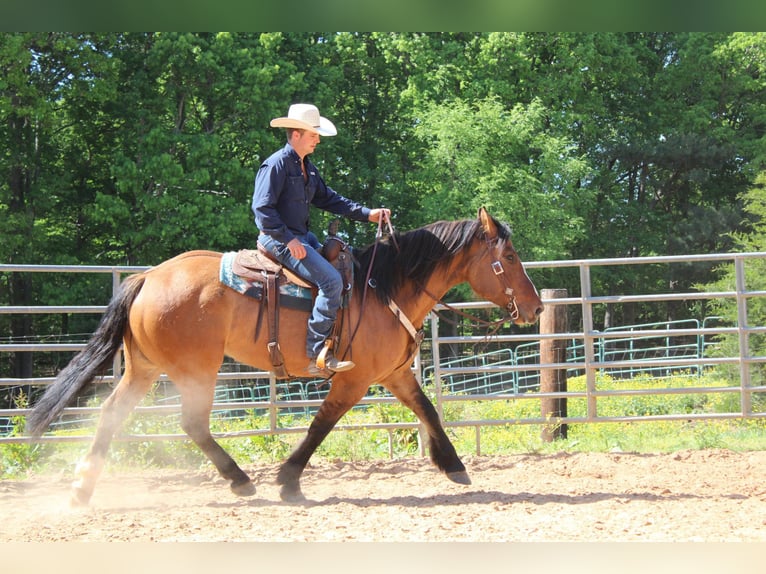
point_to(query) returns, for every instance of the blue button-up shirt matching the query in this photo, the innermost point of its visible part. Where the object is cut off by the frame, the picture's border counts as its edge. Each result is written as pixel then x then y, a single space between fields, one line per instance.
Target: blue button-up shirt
pixel 282 198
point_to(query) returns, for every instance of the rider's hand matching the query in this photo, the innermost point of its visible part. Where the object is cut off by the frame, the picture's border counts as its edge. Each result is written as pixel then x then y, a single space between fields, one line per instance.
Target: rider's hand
pixel 296 248
pixel 376 214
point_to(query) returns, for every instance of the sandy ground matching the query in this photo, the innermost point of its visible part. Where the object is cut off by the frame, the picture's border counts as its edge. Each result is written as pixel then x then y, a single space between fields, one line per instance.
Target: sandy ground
pixel 709 495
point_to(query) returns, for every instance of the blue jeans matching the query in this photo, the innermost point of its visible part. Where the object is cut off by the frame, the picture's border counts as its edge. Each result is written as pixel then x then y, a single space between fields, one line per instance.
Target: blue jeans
pixel 315 268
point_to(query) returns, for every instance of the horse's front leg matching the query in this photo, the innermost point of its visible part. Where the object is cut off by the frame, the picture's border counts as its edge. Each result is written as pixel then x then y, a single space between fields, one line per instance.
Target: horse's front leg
pixel 404 387
pixel 339 400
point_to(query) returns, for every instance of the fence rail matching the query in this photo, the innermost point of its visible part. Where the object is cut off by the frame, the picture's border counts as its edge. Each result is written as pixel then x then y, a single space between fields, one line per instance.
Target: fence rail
pixel 508 372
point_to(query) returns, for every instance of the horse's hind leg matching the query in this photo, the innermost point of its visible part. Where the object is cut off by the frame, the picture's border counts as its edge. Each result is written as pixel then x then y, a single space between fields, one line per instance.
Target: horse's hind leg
pixel 132 387
pixel 405 387
pixel 197 402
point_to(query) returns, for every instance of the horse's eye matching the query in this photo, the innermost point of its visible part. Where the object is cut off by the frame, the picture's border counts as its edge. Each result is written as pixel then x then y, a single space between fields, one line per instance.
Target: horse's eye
pixel 510 257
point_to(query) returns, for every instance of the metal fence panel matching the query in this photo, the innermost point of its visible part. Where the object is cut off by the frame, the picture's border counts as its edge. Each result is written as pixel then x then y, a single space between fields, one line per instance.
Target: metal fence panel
pixel 510 372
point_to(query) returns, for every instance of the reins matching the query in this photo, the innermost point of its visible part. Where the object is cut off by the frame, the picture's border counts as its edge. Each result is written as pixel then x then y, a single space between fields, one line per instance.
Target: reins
pixel 474 320
pixel 368 277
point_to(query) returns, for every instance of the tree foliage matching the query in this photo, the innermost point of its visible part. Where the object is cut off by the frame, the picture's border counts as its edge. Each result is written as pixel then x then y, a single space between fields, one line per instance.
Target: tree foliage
pixel 128 148
pixel 750 238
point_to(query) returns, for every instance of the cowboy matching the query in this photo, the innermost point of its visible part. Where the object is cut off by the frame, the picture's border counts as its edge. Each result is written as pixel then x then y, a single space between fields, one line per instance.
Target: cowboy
pixel 286 184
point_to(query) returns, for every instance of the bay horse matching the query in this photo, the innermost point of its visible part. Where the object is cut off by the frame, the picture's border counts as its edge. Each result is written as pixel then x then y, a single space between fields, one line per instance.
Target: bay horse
pixel 178 318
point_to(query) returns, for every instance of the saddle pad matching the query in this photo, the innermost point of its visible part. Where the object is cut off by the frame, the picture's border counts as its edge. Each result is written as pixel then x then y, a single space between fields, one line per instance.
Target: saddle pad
pixel 290 295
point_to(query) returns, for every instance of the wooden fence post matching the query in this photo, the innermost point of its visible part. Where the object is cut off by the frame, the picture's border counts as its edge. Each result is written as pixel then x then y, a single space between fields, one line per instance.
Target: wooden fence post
pixel 553 320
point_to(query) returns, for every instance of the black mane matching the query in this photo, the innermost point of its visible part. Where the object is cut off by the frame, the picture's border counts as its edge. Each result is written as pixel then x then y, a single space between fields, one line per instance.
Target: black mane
pixel 421 252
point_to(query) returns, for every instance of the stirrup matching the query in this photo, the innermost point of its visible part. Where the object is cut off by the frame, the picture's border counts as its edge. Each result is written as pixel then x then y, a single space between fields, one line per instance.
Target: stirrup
pixel 322 357
pixel 326 361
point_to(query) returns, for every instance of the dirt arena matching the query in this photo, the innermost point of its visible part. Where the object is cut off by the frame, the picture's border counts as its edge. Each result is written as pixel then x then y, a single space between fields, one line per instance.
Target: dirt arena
pixel 709 495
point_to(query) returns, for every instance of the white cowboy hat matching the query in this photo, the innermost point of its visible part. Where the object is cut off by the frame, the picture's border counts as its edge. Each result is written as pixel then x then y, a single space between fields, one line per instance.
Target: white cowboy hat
pixel 305 117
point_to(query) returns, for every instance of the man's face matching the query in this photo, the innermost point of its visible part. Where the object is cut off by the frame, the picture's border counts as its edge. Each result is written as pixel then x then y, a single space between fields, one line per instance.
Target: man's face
pixel 304 142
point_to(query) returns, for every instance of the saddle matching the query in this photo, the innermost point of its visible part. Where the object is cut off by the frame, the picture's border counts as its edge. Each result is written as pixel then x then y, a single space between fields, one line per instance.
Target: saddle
pixel 271 279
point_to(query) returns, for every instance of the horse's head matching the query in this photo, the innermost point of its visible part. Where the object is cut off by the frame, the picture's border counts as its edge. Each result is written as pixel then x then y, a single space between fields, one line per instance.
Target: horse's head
pixel 496 273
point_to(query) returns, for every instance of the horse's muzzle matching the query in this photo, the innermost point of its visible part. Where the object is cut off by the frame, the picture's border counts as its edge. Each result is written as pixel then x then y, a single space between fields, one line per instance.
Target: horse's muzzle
pixel 516 316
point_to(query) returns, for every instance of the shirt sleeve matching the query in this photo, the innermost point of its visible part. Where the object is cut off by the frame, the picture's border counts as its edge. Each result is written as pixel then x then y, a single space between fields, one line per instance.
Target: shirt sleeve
pixel 328 199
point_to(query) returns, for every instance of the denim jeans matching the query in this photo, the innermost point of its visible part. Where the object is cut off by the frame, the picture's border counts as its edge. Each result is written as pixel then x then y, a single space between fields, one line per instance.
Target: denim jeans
pixel 315 268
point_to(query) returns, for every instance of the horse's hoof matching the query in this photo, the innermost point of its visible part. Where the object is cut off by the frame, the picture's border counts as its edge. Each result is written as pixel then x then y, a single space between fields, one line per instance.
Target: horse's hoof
pixel 291 493
pixel 243 488
pixel 79 498
pixel 460 477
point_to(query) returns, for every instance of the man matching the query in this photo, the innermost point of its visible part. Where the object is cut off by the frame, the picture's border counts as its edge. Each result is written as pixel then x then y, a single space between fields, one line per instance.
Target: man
pixel 286 184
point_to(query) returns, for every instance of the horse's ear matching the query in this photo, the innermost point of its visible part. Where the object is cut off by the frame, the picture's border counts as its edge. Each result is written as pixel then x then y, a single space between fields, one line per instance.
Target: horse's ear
pixel 487 223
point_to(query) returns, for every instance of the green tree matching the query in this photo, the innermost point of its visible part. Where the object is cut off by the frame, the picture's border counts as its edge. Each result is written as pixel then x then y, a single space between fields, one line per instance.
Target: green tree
pixel 483 154
pixel 128 148
pixel 40 73
pixel 752 238
pixel 192 130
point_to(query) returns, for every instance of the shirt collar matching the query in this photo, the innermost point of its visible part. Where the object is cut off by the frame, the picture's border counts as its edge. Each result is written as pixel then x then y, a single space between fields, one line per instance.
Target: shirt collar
pixel 290 150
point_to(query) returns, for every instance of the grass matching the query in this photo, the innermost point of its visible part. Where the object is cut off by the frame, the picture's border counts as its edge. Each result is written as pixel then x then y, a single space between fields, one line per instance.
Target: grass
pixel 639 436
pixel 369 444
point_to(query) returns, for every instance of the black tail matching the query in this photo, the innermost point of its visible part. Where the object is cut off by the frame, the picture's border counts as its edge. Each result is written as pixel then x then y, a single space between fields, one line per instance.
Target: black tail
pixel 91 362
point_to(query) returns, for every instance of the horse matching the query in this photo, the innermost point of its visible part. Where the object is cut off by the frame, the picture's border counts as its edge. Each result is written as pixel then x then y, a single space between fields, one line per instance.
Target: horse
pixel 178 318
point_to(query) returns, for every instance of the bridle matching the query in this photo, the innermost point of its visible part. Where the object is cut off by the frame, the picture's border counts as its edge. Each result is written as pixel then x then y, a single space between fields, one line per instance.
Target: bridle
pixel 499 271
pixel 417 334
pixel 497 268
